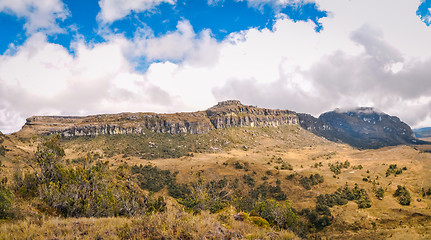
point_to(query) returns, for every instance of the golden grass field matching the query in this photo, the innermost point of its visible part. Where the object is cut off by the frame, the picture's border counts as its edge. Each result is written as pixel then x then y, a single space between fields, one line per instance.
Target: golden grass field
pixel 260 148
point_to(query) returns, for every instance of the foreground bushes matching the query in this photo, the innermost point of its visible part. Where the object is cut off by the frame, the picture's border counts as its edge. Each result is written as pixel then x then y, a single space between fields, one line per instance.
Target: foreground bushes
pixel 93 190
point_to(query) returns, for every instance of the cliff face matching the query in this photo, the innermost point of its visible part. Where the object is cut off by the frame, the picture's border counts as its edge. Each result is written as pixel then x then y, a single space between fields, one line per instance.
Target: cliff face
pixel 223 115
pixel 361 128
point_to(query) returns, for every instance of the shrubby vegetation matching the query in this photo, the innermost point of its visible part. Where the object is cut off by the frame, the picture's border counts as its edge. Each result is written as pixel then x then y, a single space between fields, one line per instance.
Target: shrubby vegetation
pixel 393 169
pixel 403 195
pixel 314 179
pixel 321 216
pixel 336 167
pixel 6 200
pixel 380 193
pixel 3 150
pixel 426 192
pixel 93 190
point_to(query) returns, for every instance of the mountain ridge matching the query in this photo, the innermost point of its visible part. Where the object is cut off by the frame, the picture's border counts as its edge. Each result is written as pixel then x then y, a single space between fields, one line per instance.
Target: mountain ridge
pixel 361 127
pixel 225 114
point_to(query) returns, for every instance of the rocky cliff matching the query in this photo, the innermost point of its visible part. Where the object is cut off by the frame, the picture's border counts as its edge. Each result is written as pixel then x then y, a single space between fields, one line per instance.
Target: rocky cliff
pixel 361 127
pixel 223 115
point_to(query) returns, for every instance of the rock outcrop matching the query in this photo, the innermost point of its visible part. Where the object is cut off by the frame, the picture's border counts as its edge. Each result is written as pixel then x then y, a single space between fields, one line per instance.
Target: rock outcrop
pixel 363 128
pixel 223 115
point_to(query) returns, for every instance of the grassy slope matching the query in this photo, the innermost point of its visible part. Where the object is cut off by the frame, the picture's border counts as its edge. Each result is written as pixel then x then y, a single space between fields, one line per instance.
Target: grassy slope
pixel 302 150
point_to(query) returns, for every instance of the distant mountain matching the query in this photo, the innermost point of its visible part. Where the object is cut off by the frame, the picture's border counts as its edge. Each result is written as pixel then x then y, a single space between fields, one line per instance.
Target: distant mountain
pixel 363 128
pixel 422 132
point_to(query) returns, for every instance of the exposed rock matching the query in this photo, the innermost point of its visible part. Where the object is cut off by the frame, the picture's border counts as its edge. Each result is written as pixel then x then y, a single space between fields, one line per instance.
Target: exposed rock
pixel 361 128
pixel 224 115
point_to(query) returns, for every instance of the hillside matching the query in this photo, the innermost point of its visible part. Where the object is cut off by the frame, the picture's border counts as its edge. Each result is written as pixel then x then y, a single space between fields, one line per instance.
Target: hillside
pixel 363 128
pixel 253 174
pixel 422 132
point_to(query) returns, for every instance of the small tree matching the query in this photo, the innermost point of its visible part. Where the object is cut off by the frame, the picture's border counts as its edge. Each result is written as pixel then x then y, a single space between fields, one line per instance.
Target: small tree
pixel 403 195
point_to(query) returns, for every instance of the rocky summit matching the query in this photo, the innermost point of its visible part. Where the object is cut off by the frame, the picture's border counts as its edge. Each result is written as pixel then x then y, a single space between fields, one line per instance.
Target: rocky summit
pixel 225 114
pixel 361 127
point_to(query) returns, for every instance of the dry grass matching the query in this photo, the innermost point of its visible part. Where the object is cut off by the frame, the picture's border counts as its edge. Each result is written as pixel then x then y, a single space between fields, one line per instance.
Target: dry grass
pixel 173 224
pixel 299 148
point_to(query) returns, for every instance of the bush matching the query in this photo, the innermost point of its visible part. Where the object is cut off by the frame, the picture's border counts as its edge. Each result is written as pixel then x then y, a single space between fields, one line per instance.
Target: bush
pixel 93 191
pixel 266 191
pixel 277 214
pixel 393 169
pixel 258 221
pixel 152 178
pixel 403 195
pixel 380 192
pixel 286 166
pixel 314 179
pixel 249 180
pixel 337 166
pixel 6 199
pixel 3 150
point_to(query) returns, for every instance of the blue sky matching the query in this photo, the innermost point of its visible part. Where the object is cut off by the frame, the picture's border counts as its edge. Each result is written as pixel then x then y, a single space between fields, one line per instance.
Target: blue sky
pixel 76 57
pixel 221 18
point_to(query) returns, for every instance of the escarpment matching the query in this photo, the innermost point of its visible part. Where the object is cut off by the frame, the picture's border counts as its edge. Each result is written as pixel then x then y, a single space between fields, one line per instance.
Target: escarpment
pixel 223 115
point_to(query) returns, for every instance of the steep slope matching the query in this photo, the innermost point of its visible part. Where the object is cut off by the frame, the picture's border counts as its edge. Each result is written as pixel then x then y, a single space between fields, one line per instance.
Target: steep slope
pixel 223 115
pixel 362 128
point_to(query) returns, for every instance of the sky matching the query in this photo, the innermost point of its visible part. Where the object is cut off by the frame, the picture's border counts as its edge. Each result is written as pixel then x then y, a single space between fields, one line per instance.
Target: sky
pixel 83 57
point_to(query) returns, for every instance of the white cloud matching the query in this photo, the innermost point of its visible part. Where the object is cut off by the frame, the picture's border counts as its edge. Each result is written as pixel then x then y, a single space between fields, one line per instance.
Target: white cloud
pixel 40 15
pixel 358 60
pixel 44 78
pixel 361 58
pixel 181 44
pixel 112 10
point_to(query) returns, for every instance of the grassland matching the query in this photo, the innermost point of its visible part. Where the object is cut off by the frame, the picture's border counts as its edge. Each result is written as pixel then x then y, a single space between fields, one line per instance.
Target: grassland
pixel 230 154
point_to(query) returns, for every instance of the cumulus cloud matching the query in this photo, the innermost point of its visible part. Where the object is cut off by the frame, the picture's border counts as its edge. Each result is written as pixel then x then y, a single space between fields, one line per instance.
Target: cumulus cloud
pixel 43 78
pixel 183 44
pixel 112 10
pixel 39 15
pixel 357 60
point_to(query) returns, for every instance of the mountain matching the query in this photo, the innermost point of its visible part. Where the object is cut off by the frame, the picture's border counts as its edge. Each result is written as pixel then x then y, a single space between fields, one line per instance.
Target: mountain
pixel 363 128
pixel 223 115
pixel 422 132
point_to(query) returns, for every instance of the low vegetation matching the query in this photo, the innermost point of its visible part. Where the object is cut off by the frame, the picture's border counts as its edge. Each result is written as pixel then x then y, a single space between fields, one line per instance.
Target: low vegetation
pixel 337 166
pixel 403 195
pixel 314 179
pixel 393 169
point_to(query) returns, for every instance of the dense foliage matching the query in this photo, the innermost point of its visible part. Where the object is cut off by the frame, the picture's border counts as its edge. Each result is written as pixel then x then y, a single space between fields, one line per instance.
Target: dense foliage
pixel 403 195
pixel 90 191
pixel 314 179
pixel 393 169
pixel 337 166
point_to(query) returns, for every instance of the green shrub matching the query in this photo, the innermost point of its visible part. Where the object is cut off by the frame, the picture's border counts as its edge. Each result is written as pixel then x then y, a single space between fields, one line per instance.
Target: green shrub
pixel 6 200
pixel 277 214
pixel 403 195
pixel 337 166
pixel 393 169
pixel 250 181
pixel 380 193
pixel 258 221
pixel 153 178
pixel 314 179
pixel 3 150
